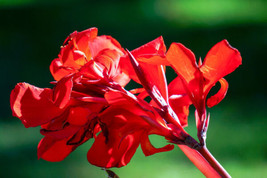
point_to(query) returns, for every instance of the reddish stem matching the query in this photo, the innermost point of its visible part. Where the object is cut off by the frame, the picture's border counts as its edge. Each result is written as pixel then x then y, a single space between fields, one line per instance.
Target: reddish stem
pixel 205 162
pixel 200 162
pixel 213 162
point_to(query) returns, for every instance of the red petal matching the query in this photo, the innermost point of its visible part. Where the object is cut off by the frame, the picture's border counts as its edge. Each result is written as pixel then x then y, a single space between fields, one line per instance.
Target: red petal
pixel 58 70
pixel 70 58
pixel 32 105
pixel 215 99
pixel 80 115
pixel 156 76
pixel 73 54
pixel 135 108
pixel 82 39
pixel 109 59
pixel 179 100
pixel 176 87
pixel 92 70
pixel 76 51
pixel 181 111
pixel 104 42
pixel 221 60
pixel 53 150
pixel 153 79
pixel 62 92
pixel 122 79
pixel 117 152
pixel 183 61
pixel 92 99
pixel 152 53
pixel 66 132
pixel 122 130
pixel 149 149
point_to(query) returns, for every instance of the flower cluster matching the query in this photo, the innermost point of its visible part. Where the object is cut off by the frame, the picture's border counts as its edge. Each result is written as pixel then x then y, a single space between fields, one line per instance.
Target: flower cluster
pixel 89 100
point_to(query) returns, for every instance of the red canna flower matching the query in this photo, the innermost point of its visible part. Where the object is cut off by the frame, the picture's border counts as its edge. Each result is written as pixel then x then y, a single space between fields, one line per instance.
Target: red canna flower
pixel 88 65
pixel 73 111
pixel 88 100
pixel 86 48
pixel 194 80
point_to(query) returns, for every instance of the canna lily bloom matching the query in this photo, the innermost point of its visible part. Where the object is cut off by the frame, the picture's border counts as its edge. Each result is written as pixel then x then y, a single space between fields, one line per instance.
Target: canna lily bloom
pixel 196 80
pixel 87 67
pixel 86 48
pixel 88 100
pixel 98 53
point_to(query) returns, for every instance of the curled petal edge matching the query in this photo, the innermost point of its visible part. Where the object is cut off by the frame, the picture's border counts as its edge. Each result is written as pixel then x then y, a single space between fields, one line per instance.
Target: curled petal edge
pixel 217 98
pixel 148 149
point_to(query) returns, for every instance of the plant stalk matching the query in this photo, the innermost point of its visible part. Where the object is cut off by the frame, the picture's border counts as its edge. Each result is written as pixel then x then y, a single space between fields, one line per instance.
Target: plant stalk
pixel 213 162
pixel 205 162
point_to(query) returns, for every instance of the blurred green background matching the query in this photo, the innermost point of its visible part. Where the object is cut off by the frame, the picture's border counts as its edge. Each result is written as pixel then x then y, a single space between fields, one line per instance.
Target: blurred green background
pixel 32 32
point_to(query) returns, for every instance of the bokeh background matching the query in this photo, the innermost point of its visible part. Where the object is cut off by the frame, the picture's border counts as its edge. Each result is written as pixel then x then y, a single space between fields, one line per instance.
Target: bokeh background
pixel 32 31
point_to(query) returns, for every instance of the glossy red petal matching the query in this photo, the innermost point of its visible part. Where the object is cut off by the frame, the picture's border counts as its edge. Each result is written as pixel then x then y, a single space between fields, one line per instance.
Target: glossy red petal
pixel 126 122
pixel 181 111
pixel 81 115
pixel 116 152
pixel 156 76
pixel 215 99
pixel 92 71
pixel 54 150
pixel 62 91
pixel 155 48
pixel 152 54
pixel 177 90
pixel 122 79
pixel 123 125
pixel 71 57
pixel 76 50
pixel 148 149
pixel 153 79
pixel 65 132
pixel 92 99
pixel 58 71
pixel 179 100
pixel 138 107
pixel 183 61
pixel 109 59
pixel 57 123
pixel 82 39
pixel 33 105
pixel 221 60
pixel 104 42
